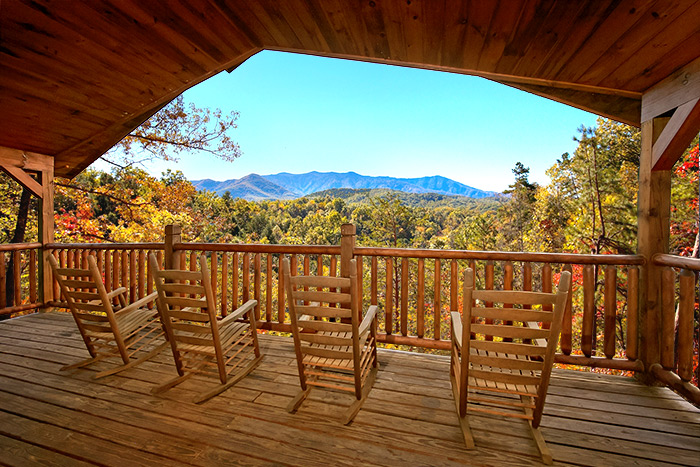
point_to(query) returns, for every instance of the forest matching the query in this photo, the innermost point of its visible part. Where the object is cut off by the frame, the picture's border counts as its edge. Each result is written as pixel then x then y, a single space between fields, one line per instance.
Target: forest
pixel 589 206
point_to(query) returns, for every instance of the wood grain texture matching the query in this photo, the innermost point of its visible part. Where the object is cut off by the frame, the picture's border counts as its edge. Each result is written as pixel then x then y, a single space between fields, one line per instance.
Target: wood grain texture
pixel 590 419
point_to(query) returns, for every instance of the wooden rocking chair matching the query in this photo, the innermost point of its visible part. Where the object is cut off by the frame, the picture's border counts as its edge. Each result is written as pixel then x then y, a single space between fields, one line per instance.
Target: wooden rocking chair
pixel 108 330
pixel 333 348
pixel 502 354
pixel 202 344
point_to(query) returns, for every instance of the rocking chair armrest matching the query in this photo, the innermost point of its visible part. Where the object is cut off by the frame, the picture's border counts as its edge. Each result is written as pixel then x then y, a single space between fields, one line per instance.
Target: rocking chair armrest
pixel 367 320
pixel 456 328
pixel 138 304
pixel 240 311
pixel 116 292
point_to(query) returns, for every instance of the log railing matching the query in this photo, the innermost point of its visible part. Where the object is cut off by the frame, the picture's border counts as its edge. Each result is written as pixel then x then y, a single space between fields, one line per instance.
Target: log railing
pixel 418 288
pixel 122 265
pixel 415 289
pixel 680 332
pixel 19 270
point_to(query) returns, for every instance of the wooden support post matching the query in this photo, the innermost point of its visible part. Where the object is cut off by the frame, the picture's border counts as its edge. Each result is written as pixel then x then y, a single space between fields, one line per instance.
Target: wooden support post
pixel 172 238
pixel 46 233
pixel 653 217
pixel 347 245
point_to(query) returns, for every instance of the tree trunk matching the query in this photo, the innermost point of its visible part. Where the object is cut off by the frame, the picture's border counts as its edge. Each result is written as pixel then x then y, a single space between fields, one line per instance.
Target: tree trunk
pixel 17 237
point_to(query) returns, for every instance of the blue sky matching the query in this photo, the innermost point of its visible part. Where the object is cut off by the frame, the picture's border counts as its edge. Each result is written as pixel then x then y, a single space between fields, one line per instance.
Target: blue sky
pixel 300 113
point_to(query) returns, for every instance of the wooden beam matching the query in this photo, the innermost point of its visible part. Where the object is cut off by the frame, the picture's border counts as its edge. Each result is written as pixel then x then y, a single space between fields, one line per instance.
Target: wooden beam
pixel 26 160
pixel 680 87
pixel 23 178
pixel 678 134
pixel 500 77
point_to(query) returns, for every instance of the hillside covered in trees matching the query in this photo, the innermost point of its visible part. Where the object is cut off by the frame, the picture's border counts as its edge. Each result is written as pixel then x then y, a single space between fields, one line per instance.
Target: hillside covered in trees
pixel 588 207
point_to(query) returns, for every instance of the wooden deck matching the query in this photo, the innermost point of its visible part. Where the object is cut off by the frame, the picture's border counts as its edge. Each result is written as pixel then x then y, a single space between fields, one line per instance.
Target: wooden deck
pixel 67 418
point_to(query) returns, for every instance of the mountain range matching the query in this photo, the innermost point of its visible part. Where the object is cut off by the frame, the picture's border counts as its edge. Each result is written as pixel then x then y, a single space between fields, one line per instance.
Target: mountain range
pixel 254 187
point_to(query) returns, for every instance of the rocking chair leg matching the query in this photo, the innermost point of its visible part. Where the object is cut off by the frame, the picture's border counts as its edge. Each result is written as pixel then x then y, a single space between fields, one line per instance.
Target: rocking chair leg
pixel 357 405
pixel 83 363
pixel 221 388
pixel 463 422
pixel 171 383
pixel 132 363
pixel 545 453
pixel 298 399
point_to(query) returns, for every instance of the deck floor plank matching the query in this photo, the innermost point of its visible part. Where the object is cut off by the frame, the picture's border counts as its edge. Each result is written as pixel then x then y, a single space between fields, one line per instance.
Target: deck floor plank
pixel 68 418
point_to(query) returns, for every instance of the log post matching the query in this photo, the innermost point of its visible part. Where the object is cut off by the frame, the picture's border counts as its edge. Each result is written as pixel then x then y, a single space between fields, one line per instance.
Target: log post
pixel 172 237
pixel 653 217
pixel 347 245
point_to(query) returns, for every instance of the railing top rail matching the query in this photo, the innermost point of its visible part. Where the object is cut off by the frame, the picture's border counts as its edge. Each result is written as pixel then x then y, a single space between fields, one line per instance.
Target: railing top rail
pixel 105 246
pixel 675 261
pixel 503 256
pixel 260 248
pixel 19 246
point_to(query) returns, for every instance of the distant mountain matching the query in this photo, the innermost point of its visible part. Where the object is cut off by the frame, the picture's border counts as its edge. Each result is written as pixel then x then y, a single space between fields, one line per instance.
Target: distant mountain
pixel 286 185
pixel 252 187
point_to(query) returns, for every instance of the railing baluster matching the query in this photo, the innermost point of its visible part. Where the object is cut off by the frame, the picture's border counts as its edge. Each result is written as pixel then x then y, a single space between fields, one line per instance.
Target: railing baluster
pixel 686 324
pixel 404 296
pixel 256 283
pixel 389 297
pixel 268 288
pixel 610 311
pixel 668 317
pixel 420 306
pixel 437 305
pixel 246 278
pixel 566 328
pixel 32 277
pixel 214 271
pixel 373 282
pixel 149 278
pixel 125 269
pixel 454 285
pixel 360 278
pixel 546 287
pixel 142 274
pixel 234 280
pixel 280 290
pixel 17 272
pixel 632 312
pixel 508 285
pixel 588 322
pixel 224 284
pixel 3 281
pixel 489 282
pixel 116 261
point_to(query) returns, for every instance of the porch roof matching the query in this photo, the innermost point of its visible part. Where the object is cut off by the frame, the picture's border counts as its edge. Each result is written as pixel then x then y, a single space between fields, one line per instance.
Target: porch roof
pixel 76 77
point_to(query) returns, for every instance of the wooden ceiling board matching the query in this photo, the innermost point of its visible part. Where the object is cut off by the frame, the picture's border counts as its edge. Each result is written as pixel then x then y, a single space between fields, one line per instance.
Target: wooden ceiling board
pixel 560 37
pixel 434 20
pixel 531 21
pixel 83 73
pixel 601 38
pixel 664 53
pixel 653 23
pixel 503 23
pixel 588 21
